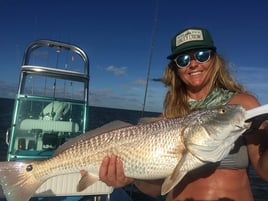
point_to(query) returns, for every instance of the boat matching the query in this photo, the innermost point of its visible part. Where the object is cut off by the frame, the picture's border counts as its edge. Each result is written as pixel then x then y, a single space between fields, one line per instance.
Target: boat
pixel 51 107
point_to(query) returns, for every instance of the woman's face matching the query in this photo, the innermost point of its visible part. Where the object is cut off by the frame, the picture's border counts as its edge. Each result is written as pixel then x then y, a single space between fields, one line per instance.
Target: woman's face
pixel 196 75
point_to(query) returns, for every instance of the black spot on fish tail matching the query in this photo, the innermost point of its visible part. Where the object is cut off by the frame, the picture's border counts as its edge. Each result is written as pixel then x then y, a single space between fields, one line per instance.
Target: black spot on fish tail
pixel 29 168
pixel 18 181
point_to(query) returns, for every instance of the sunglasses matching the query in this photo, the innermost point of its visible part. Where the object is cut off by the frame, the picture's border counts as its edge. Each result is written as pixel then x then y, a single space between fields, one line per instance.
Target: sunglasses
pixel 201 56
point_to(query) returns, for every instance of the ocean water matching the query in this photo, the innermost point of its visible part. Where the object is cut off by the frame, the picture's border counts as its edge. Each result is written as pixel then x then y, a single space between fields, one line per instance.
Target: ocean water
pixel 97 117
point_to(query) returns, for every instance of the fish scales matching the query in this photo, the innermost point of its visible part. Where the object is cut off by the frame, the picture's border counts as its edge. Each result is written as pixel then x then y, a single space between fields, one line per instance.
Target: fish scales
pixel 129 144
pixel 167 148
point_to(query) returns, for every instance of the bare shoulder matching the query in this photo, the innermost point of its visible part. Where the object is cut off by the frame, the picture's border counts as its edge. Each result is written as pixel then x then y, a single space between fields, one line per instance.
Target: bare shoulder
pixel 248 101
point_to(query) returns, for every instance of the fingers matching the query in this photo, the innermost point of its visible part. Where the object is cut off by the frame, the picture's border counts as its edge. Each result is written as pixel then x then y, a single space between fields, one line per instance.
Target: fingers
pixel 104 169
pixel 120 175
pixel 112 172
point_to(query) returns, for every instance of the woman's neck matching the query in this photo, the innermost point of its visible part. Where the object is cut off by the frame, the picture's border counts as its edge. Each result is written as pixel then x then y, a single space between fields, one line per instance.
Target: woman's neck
pixel 218 96
pixel 198 94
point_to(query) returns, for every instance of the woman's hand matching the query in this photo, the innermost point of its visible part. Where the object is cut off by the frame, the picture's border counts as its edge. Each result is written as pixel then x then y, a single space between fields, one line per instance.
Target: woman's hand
pixel 112 172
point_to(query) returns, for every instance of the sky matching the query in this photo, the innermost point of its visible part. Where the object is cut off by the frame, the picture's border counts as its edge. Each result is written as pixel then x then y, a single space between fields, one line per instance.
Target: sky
pixel 125 38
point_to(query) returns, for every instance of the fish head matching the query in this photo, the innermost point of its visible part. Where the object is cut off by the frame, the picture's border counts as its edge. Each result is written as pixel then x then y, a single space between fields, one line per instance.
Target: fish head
pixel 212 133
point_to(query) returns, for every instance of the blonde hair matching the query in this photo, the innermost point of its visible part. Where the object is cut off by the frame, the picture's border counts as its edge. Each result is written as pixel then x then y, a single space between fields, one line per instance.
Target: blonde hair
pixel 176 104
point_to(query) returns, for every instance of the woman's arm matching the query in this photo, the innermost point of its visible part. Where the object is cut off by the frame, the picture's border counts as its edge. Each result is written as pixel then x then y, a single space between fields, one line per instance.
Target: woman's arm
pixel 257 142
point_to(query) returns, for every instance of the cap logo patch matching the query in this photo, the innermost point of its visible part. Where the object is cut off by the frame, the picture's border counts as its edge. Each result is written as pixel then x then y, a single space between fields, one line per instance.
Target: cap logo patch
pixel 189 35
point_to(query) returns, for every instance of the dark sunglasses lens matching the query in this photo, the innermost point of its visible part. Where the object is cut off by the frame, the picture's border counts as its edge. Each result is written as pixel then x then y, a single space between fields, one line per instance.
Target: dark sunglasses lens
pixel 183 60
pixel 202 55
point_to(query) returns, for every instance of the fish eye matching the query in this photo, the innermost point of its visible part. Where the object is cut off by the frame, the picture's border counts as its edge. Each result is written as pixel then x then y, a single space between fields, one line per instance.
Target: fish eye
pixel 29 168
pixel 222 111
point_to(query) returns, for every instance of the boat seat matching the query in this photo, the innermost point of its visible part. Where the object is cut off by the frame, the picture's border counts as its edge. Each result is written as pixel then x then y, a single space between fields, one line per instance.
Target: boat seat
pixel 55 110
pixel 48 125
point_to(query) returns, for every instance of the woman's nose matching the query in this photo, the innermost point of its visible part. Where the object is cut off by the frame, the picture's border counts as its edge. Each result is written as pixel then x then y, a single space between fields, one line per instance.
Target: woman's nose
pixel 193 63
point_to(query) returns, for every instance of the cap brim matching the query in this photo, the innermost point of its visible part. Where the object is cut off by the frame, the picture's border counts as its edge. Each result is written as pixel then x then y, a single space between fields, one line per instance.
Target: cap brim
pixel 173 56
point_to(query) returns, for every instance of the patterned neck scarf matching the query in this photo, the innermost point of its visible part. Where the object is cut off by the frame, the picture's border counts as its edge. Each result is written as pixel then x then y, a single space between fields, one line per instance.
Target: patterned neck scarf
pixel 217 97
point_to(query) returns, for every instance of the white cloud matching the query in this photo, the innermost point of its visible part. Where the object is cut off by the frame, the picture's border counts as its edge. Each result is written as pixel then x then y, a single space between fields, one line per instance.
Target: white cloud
pixel 116 70
pixel 139 82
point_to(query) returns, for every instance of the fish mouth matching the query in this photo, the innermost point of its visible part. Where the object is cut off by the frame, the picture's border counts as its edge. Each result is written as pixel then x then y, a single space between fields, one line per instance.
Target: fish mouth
pixel 245 125
pixel 240 121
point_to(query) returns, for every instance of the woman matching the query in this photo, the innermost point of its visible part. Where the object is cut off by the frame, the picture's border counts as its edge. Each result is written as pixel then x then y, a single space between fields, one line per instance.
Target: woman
pixel 197 77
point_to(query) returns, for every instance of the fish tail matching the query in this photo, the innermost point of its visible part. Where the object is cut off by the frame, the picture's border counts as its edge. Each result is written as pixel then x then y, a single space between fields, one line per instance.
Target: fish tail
pixel 17 181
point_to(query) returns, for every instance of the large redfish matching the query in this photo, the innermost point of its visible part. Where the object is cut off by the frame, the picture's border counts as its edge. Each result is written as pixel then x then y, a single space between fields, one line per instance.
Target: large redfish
pixel 165 148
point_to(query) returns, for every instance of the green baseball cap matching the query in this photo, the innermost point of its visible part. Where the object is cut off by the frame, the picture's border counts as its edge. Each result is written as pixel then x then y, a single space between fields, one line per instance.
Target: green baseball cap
pixel 191 38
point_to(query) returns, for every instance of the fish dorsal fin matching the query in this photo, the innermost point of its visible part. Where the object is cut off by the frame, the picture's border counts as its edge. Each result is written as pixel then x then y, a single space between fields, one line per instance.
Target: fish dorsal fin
pixel 103 129
pixel 86 180
pixel 187 162
pixel 148 119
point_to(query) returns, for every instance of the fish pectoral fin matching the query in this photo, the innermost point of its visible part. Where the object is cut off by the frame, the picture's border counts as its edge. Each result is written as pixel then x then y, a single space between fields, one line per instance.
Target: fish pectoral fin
pixel 172 180
pixel 86 180
pixel 187 163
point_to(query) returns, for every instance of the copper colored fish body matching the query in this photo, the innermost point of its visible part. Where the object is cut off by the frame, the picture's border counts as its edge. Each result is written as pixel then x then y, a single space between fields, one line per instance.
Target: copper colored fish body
pixel 167 148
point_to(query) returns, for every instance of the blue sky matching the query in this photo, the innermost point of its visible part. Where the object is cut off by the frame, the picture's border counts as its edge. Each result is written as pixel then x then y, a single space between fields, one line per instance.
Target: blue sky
pixel 117 36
